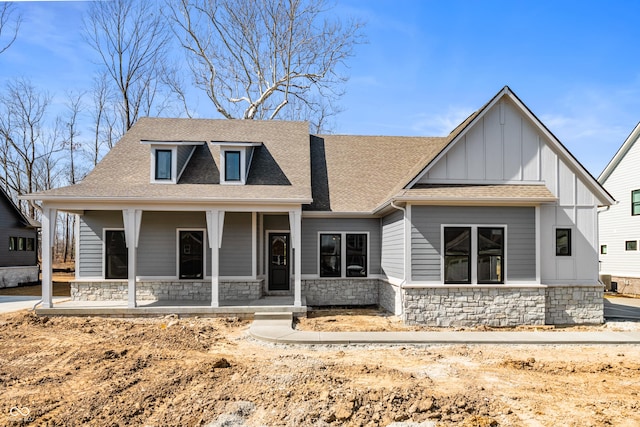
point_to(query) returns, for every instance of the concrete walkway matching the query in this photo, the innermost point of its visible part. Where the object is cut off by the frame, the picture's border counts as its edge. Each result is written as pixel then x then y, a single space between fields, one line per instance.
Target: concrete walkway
pixel 277 328
pixel 9 304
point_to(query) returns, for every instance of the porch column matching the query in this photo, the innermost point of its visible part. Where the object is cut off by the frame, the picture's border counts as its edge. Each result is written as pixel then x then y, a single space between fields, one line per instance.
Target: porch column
pixel 131 219
pixel 295 227
pixel 48 232
pixel 215 224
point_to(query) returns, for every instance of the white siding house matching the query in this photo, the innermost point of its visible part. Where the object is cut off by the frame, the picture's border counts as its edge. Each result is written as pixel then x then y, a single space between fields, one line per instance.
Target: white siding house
pixel 620 224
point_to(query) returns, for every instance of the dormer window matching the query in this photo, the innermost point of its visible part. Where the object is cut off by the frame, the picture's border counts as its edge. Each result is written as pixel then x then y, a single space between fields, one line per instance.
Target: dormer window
pixel 232 165
pixel 163 164
pixel 235 161
pixel 169 159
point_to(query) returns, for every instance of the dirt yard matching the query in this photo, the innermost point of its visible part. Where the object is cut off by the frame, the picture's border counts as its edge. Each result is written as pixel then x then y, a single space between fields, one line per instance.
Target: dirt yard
pixel 186 372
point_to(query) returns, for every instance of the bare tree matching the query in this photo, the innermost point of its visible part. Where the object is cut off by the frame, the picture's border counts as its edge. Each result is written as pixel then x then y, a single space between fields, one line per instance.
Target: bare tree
pixel 131 38
pixel 9 24
pixel 265 59
pixel 22 131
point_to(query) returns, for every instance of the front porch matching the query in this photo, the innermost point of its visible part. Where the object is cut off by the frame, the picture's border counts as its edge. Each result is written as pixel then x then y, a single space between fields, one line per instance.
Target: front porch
pixel 183 308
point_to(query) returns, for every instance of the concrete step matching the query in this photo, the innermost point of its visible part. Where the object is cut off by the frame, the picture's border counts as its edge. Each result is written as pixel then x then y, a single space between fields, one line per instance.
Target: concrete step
pixel 273 316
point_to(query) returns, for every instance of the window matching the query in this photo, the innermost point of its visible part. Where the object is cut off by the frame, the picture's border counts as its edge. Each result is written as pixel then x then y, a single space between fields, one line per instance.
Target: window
pixel 116 257
pixel 163 164
pixel 13 243
pixel 356 255
pixel 563 242
pixel 603 249
pixel 631 245
pixel 490 255
pixel 31 244
pixel 343 254
pixel 21 244
pixel 457 255
pixel 635 202
pixel 330 260
pixel 232 166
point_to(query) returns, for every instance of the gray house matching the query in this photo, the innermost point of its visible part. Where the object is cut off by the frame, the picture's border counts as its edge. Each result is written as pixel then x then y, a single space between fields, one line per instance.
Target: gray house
pixel 19 248
pixel 495 223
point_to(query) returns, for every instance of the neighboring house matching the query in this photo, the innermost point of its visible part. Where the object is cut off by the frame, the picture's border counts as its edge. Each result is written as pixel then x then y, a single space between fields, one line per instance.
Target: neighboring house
pixel 620 223
pixel 18 245
pixel 494 224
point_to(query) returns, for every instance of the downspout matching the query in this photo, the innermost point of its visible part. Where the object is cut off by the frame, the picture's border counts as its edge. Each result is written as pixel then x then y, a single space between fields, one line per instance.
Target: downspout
pixel 404 248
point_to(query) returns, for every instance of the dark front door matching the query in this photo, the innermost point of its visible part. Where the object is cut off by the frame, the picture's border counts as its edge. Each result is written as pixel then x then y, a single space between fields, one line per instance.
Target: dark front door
pixel 191 248
pixel 278 261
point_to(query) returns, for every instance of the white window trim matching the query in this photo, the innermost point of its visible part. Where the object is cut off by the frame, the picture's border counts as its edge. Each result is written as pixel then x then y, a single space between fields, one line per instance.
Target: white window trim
pixel 104 251
pixel 243 167
pixel 343 254
pixel 204 252
pixel 474 253
pixel 174 164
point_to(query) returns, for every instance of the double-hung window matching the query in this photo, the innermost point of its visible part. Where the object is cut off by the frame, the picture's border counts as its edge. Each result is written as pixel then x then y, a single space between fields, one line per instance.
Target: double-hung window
pixel 473 255
pixel 635 202
pixel 343 254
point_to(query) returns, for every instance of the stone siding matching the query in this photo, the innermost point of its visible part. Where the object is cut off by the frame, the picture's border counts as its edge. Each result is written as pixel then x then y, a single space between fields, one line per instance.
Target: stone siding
pixel 474 305
pixel 570 305
pixel 390 297
pixel 320 292
pixel 627 285
pixel 14 276
pixel 244 290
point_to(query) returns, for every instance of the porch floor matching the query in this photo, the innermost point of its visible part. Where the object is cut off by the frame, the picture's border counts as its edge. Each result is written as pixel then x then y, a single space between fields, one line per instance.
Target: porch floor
pixel 202 308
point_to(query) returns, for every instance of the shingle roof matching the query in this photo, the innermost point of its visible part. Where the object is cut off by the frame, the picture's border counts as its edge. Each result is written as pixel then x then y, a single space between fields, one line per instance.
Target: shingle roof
pixel 481 193
pixel 357 173
pixel 280 169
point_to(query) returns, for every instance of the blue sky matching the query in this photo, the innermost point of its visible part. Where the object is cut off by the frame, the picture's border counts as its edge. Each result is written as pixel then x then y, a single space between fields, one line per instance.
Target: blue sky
pixel 430 63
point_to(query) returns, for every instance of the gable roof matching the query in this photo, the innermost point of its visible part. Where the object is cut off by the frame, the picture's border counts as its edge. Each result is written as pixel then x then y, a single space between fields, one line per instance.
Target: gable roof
pixel 601 194
pixel 22 218
pixel 622 151
pixel 124 173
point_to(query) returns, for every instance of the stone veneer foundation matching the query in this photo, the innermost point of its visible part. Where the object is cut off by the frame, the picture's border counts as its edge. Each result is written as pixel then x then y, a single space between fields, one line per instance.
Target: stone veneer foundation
pixel 433 305
pixel 117 290
pixel 14 276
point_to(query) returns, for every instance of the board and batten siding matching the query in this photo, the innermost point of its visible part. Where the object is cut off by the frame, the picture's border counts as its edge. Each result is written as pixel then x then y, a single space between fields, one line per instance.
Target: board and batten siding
pixel 617 225
pixel 90 253
pixel 392 257
pixel 426 240
pixel 312 226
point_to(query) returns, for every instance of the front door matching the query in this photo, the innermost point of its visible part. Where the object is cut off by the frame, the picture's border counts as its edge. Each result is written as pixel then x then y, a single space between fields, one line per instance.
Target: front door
pixel 191 254
pixel 278 261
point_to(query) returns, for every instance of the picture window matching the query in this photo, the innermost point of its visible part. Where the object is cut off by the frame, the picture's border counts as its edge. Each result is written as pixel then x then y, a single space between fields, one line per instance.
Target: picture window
pixel 563 242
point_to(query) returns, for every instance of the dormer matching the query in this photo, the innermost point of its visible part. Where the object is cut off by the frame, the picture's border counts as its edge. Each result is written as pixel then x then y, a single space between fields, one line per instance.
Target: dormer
pixel 169 159
pixel 235 161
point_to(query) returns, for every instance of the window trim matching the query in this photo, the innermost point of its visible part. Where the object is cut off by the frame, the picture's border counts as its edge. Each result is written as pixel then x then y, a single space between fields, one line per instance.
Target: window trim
pixel 626 245
pixel 205 252
pixel 104 252
pixel 474 253
pixel 343 254
pixel 635 204
pixel 569 242
pixel 603 249
pixel 154 164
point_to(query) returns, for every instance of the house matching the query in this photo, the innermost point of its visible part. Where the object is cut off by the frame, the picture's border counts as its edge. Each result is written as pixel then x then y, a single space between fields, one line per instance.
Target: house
pixel 19 248
pixel 620 223
pixel 494 224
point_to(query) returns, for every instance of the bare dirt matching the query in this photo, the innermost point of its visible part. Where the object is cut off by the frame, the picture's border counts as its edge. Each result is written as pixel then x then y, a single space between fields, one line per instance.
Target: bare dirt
pixel 191 371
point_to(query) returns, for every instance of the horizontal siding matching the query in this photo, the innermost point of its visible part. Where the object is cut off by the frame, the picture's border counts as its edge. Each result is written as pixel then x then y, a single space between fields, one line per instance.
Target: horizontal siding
pixel 10 226
pixel 235 254
pixel 92 224
pixel 157 245
pixel 426 237
pixel 311 227
pixel 617 225
pixel 392 256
